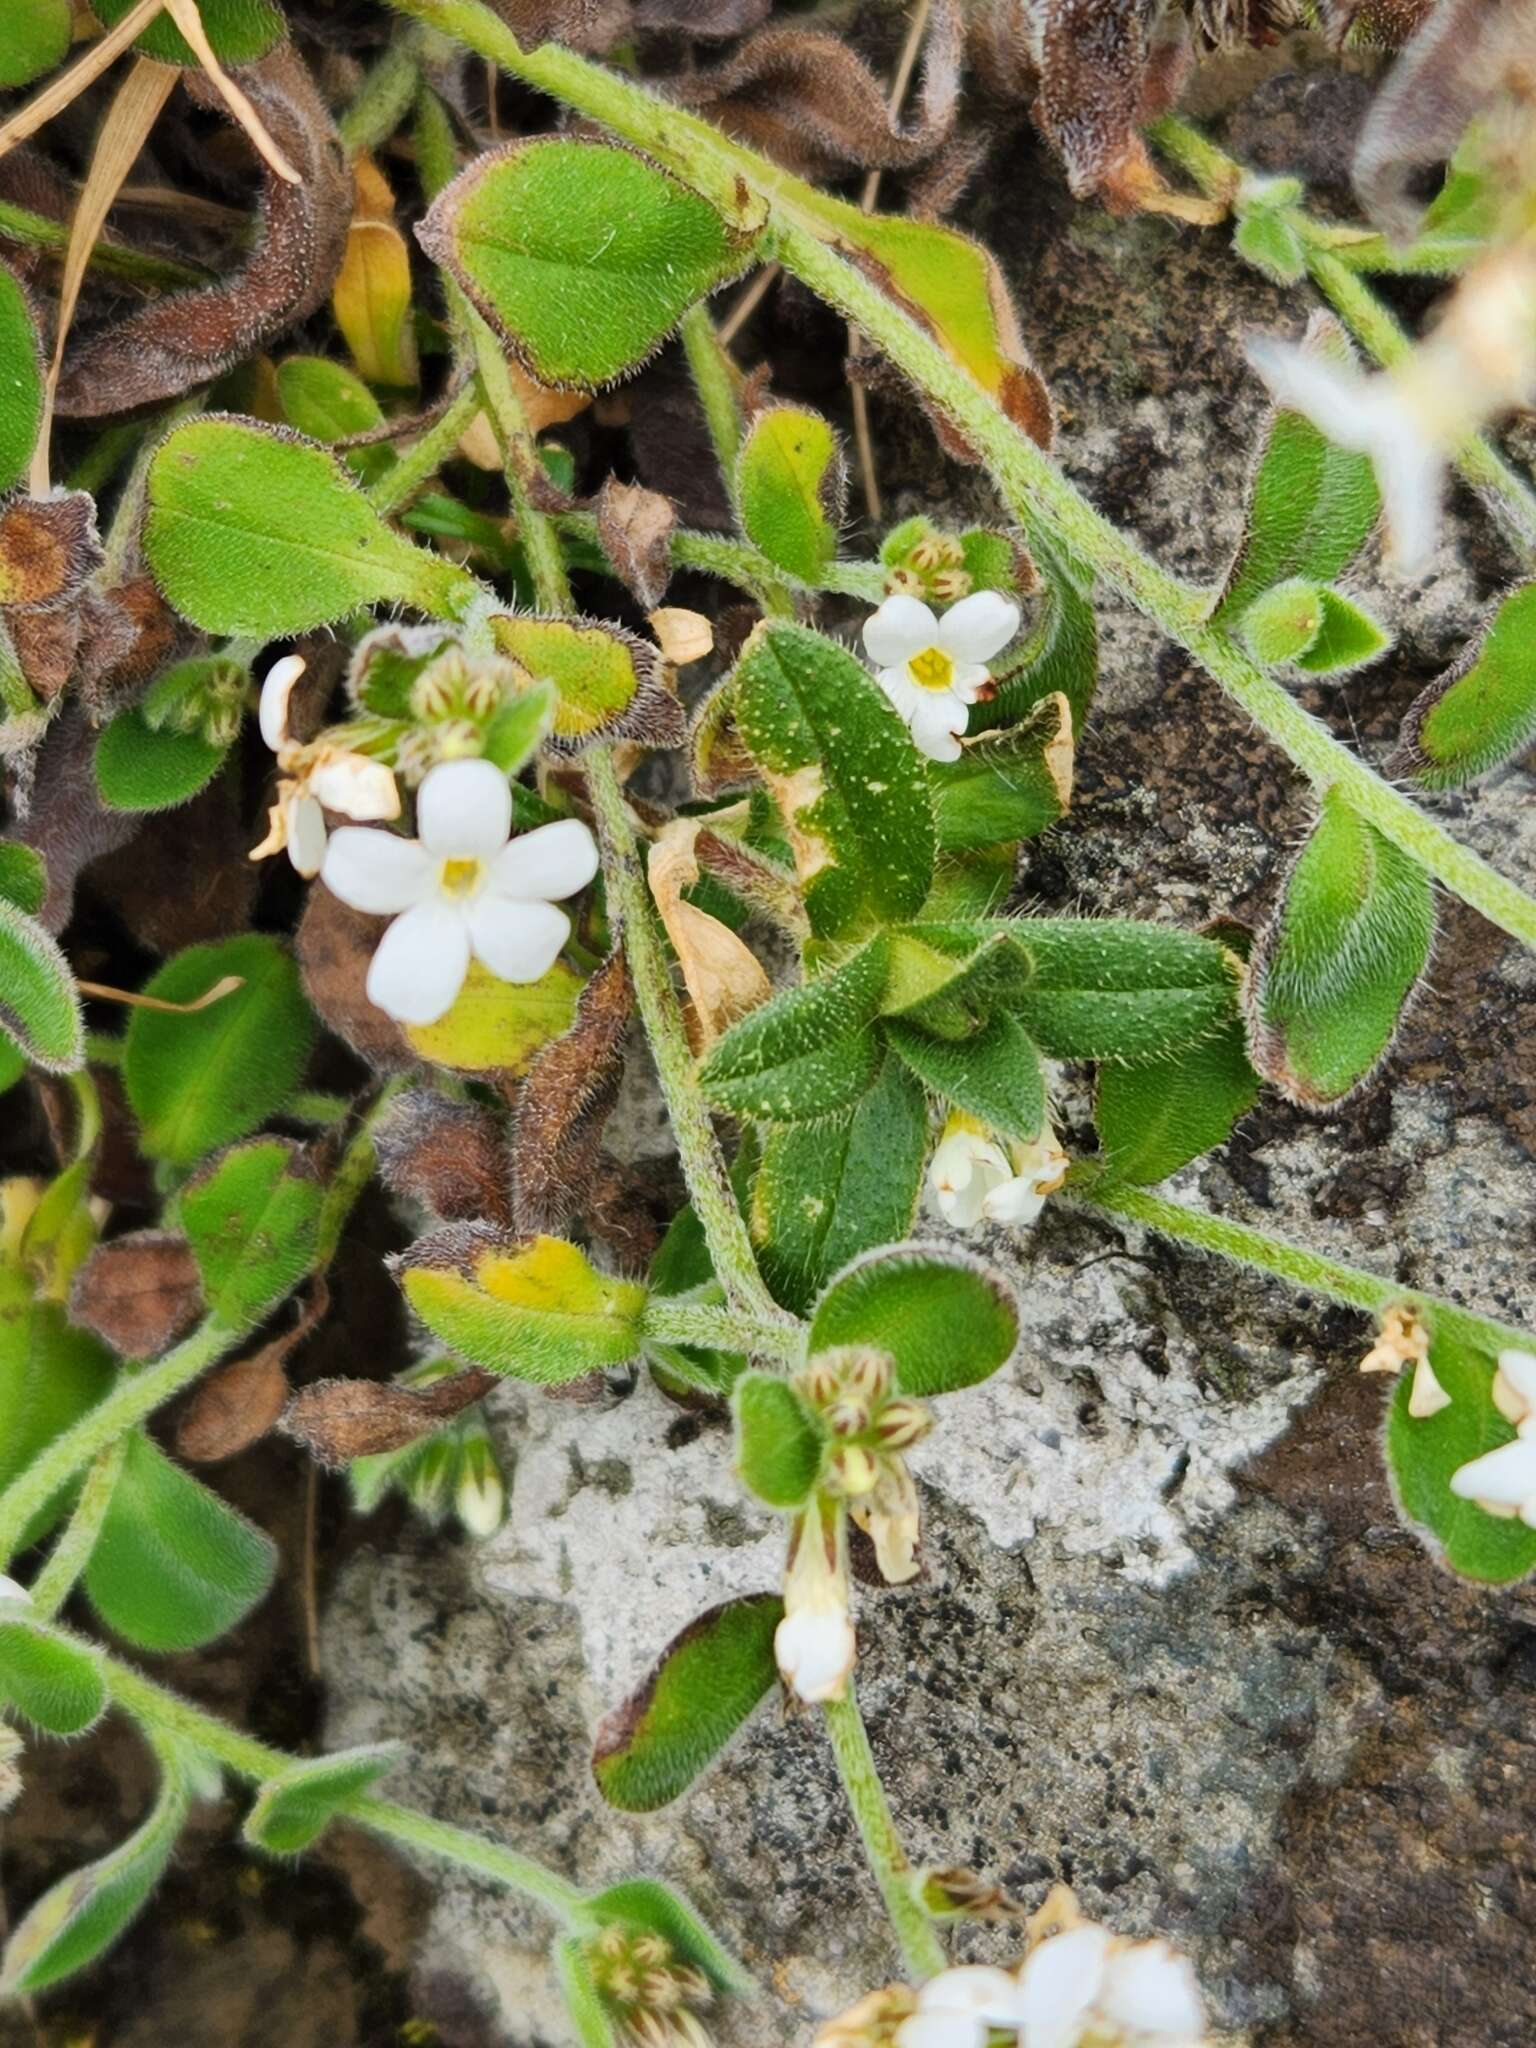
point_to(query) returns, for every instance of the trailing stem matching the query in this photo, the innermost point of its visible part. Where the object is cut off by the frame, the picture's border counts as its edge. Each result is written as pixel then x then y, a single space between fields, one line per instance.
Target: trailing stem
pixel 1312 1271
pixel 920 1945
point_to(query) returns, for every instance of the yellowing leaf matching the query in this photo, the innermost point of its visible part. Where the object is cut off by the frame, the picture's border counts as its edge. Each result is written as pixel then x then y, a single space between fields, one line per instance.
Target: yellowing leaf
pixel 372 294
pixel 497 1026
pixel 536 1310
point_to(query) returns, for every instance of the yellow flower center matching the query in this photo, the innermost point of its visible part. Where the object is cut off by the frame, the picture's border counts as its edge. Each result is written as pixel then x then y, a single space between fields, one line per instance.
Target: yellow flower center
pixel 932 669
pixel 460 877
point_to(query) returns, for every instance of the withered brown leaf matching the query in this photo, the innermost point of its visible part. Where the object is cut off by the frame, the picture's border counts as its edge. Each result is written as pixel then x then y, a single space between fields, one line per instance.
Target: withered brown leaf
pixel 635 528
pixel 236 1406
pixel 339 1420
pixel 189 338
pixel 450 1155
pixel 48 547
pixel 138 1293
pixel 334 945
pixel 566 1100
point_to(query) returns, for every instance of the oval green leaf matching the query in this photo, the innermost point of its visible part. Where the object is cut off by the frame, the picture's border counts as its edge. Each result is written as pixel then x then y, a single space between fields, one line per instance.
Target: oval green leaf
pixel 239 30
pixel 946 1319
pixel 292 1811
pixel 537 1310
pixel 1480 713
pixel 52 1679
pixel 141 770
pixel 780 1444
pixel 1423 1452
pixel 790 481
pixel 38 1004
pixel 21 375
pixel 253 1221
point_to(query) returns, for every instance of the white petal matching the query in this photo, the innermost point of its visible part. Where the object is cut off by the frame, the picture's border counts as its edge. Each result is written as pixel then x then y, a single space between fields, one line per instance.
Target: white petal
pixel 815 1653
pixel 276 689
pixel 905 695
pixel 464 810
pixel 377 871
pixel 421 963
pixel 941 2030
pixel 934 726
pixel 902 627
pixel 517 941
pixel 967 681
pixel 1411 473
pixel 979 626
pixel 306 835
pixel 1329 394
pixel 1506 1477
pixel 357 787
pixel 1058 1985
pixel 1016 1203
pixel 547 863
pixel 1515 1398
pixel 10 1590
pixel 975 1989
pixel 1149 1990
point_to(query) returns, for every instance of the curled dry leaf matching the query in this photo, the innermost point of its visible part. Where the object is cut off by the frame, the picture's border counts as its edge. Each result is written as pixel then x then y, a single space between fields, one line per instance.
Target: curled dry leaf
pixel 635 528
pixel 449 1155
pixel 723 977
pixel 191 337
pixel 683 636
pixel 566 1100
pixel 236 1406
pixel 339 1420
pixel 138 1293
pixel 48 547
pixel 812 103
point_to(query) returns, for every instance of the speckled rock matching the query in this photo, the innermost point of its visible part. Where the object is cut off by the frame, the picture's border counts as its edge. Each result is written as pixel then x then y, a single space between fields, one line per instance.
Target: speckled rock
pixel 1170 1641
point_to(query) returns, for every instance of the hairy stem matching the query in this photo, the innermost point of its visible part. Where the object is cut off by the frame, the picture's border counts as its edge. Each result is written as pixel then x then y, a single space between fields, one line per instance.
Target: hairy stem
pixel 920 1945
pixel 136 1395
pixel 108 259
pixel 738 562
pixel 164 1712
pixel 629 902
pixel 1313 1271
pixel 714 379
pixel 384 98
pixel 428 452
pixel 541 544
pixel 1035 490
pixel 72 1553
pixel 689 1322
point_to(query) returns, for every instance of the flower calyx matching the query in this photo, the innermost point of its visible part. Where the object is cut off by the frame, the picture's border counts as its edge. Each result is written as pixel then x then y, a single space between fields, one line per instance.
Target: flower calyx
pixel 851 1390
pixel 653 1996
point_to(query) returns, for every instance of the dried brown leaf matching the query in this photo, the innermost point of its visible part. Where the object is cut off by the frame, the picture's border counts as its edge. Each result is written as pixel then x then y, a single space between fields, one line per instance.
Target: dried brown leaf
pixel 635 528
pixel 138 1293
pixel 334 945
pixel 188 338
pixel 236 1406
pixel 566 1100
pixel 48 547
pixel 450 1155
pixel 339 1420
pixel 724 978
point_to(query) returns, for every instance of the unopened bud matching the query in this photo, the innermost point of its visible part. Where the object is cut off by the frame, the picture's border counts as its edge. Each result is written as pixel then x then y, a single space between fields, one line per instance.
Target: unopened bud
pixel 959 1894
pixel 949 584
pixel 480 1499
pixel 903 583
pixel 902 1423
pixel 856 1470
pixel 845 1417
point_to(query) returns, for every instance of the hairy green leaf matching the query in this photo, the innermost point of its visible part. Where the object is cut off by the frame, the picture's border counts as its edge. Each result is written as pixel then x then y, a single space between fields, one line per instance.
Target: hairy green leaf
pixel 53 1680
pixel 252 531
pixel 1156 1116
pixel 174 1566
pixel 21 375
pixel 1423 1452
pixel 38 1004
pixel 826 1192
pixel 239 30
pixel 947 1320
pixel 23 877
pixel 780 1443
pixel 703 1687
pixel 584 255
pixel 1114 988
pixel 1347 637
pixel 1008 786
pixel 199 1079
pixel 992 1073
pixel 1480 713
pixel 1338 960
pixel 252 1219
pixel 326 400
pixel 291 1811
pixel 848 780
pixel 790 482
pixel 535 1310
pixel 809 1052
pixel 50 1374
pixel 141 770
pixel 1061 654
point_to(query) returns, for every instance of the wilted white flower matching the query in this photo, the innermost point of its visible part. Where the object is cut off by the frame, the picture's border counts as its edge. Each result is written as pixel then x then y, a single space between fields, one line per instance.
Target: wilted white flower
pixel 462 889
pixel 971 1177
pixel 1411 421
pixel 814 1644
pixel 1086 1984
pixel 316 779
pixel 1404 1340
pixel 933 669
pixel 958 2008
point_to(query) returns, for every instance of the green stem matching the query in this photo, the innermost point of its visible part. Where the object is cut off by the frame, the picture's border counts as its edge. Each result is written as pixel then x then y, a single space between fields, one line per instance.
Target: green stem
pixel 134 266
pixel 427 453
pixel 122 538
pixel 738 562
pixel 136 1395
pixel 541 544
pixel 920 1945
pixel 715 381
pixel 157 1709
pixel 383 100
pixel 629 902
pixel 1035 490
pixel 72 1553
pixel 353 1172
pixel 721 1329
pixel 1314 1272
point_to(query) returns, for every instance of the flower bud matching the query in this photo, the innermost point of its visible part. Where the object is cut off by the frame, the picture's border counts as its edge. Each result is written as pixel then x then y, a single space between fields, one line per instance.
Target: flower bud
pixel 814 1644
pixel 855 1469
pixel 480 1499
pixel 902 1423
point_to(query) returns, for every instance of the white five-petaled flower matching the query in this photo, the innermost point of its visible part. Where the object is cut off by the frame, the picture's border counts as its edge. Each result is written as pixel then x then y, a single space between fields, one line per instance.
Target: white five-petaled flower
pixel 971 1178
pixel 933 669
pixel 1503 1482
pixel 462 889
pixel 315 779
